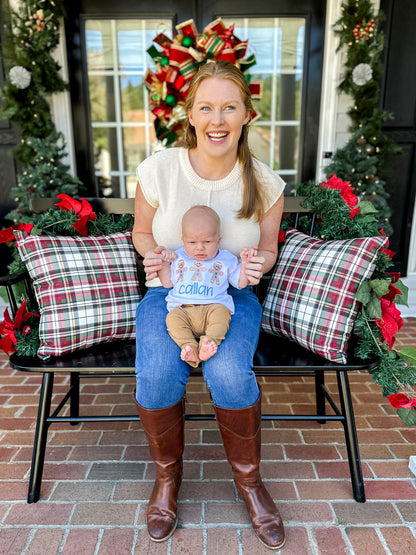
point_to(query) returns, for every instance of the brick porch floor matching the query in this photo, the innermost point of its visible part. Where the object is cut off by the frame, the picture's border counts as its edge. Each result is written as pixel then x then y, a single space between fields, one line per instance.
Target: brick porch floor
pixel 98 477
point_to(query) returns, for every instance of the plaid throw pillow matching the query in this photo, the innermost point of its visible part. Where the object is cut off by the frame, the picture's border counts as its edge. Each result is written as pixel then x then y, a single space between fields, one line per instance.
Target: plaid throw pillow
pixel 311 296
pixel 86 287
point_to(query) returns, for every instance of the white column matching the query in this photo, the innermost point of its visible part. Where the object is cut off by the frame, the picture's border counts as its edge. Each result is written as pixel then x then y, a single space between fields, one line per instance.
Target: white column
pixel 61 103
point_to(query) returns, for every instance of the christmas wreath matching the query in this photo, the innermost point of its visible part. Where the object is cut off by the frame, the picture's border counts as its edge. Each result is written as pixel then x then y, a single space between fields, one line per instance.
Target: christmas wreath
pixel 176 62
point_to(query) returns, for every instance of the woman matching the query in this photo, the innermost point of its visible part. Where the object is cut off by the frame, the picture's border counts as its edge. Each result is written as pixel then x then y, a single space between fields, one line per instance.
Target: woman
pixel 215 169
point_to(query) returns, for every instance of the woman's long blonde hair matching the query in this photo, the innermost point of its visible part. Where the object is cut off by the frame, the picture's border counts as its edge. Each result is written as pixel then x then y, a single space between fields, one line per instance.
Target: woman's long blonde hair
pixel 253 195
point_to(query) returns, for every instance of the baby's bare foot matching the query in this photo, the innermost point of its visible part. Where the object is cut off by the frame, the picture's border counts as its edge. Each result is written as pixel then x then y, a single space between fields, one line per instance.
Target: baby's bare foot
pixel 207 349
pixel 187 354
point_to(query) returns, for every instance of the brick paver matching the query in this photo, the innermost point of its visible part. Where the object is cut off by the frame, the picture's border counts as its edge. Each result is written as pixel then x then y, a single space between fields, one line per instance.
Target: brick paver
pixel 98 476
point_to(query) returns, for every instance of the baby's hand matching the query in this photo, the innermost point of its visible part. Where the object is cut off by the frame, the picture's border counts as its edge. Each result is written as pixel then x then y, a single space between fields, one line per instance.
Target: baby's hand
pixel 168 255
pixel 247 253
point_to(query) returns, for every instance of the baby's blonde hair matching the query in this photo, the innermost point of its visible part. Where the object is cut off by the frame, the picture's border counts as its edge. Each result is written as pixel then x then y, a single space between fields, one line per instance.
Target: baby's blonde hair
pixel 195 213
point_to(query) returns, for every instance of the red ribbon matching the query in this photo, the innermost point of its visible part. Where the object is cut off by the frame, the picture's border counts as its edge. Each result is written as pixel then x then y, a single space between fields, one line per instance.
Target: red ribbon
pixel 8 328
pixel 7 235
pixel 82 208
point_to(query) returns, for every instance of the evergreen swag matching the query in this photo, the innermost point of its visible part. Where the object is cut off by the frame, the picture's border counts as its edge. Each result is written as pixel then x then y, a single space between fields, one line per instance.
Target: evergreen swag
pixel 31 75
pixel 339 215
pixel 360 161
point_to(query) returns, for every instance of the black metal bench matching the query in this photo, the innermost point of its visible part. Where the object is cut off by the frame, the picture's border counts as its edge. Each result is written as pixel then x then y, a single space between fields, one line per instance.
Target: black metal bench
pixel 274 357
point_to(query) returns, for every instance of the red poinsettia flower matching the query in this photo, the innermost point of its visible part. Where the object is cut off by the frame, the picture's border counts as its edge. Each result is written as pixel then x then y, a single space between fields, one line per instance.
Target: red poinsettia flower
pixel 400 400
pixel 282 235
pixel 82 208
pixel 387 251
pixel 7 235
pixel 8 328
pixel 346 191
pixel 392 292
pixel 395 276
pixel 390 321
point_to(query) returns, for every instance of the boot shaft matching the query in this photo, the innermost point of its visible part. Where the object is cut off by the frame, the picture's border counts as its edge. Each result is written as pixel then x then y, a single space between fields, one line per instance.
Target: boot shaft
pixel 241 434
pixel 164 429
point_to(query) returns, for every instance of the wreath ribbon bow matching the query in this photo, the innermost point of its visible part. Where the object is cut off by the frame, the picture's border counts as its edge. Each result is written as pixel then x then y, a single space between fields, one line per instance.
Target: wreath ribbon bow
pixel 177 60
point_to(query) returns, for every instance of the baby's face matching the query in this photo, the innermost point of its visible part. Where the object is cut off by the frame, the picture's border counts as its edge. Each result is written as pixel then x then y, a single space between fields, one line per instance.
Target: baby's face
pixel 201 245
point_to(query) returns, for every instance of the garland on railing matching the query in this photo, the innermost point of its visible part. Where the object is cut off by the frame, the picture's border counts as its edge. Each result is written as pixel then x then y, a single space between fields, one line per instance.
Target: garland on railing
pixel 31 75
pixel 360 161
pixel 71 217
pixel 340 215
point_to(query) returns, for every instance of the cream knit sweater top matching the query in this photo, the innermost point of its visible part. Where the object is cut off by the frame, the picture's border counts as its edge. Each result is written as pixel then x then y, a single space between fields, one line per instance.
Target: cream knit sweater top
pixel 170 184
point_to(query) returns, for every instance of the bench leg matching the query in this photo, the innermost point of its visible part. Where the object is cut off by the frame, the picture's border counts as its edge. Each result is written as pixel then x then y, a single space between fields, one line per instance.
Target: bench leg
pixel 351 439
pixel 320 395
pixel 74 403
pixel 41 433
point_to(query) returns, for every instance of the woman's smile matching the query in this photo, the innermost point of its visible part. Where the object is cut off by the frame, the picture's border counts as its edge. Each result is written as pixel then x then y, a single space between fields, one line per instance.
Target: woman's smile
pixel 218 136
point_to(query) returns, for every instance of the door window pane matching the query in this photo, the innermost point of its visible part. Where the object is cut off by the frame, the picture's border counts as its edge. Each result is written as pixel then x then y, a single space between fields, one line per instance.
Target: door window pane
pixel 122 125
pixel 278 44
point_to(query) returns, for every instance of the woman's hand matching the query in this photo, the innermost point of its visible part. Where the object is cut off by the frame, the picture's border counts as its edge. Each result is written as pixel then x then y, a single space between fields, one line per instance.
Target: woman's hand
pixel 152 262
pixel 254 269
pixel 251 267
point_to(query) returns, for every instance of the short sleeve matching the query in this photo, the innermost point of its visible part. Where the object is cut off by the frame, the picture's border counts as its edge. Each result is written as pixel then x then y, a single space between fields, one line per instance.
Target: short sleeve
pixel 146 176
pixel 272 182
pixel 233 267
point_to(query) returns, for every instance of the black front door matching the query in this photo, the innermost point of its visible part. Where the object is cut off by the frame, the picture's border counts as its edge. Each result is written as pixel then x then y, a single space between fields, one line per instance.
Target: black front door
pixel 113 129
pixel 399 97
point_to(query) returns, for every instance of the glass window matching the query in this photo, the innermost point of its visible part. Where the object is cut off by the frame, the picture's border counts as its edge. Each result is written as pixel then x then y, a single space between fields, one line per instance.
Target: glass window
pixel 122 126
pixel 278 44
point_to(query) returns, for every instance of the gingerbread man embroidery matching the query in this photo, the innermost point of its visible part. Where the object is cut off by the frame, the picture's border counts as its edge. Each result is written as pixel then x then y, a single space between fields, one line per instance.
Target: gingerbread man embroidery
pixel 181 270
pixel 197 268
pixel 216 272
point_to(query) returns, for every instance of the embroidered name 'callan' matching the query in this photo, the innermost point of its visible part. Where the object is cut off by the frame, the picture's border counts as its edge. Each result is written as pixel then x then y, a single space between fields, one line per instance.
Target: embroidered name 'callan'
pixel 196 289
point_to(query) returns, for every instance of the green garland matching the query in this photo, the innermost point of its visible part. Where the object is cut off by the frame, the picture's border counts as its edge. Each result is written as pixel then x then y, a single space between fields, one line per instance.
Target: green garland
pixel 45 176
pixel 396 371
pixel 32 35
pixel 31 75
pixel 56 222
pixel 360 161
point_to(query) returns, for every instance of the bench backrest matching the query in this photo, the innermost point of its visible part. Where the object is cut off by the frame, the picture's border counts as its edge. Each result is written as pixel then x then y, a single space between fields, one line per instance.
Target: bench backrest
pixel 126 205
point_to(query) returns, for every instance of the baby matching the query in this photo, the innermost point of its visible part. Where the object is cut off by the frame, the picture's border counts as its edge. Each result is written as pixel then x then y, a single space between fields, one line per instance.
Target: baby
pixel 199 274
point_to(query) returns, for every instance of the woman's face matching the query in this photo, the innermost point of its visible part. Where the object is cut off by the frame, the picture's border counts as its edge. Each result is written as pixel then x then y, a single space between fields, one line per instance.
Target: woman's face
pixel 218 115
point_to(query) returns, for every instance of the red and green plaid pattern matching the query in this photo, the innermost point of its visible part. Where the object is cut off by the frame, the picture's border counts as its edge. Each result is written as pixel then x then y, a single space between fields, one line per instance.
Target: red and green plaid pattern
pixel 86 287
pixel 311 296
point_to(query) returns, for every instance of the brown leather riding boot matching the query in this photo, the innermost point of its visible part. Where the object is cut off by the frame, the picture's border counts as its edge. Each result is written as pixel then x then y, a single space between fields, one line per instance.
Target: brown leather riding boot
pixel 164 429
pixel 241 433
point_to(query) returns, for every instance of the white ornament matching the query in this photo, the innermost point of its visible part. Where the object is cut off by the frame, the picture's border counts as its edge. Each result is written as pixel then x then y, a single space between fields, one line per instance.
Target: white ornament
pixel 361 74
pixel 20 77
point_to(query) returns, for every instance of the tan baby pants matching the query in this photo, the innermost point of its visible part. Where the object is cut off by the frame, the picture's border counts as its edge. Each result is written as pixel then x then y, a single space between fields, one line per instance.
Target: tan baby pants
pixel 188 323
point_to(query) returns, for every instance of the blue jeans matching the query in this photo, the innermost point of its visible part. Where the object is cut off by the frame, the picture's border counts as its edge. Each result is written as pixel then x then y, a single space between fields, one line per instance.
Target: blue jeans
pixel 161 374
